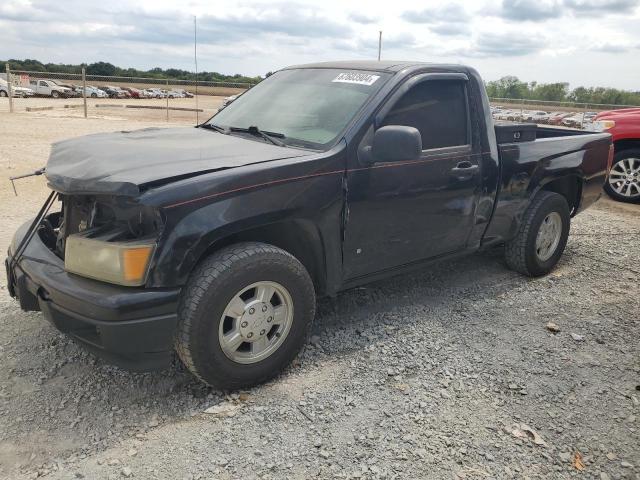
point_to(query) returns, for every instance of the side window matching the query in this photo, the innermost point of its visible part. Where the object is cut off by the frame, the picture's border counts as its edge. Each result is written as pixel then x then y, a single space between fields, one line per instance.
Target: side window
pixel 438 109
pixel 43 83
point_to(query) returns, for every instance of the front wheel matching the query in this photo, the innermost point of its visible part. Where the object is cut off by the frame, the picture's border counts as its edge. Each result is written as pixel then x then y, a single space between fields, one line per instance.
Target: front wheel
pixel 55 94
pixel 623 182
pixel 244 315
pixel 542 236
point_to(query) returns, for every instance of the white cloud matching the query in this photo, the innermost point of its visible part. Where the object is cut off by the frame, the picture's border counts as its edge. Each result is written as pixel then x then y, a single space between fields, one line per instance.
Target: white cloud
pixel 584 42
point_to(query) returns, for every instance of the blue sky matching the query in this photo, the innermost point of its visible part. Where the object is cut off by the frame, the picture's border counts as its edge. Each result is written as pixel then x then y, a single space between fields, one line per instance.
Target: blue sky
pixel 584 42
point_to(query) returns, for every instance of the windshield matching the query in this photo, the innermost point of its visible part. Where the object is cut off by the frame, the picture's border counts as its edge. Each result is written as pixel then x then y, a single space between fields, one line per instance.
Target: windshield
pixel 310 107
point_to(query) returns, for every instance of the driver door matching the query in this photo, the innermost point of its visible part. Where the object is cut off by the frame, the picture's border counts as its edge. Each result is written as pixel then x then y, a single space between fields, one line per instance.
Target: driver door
pixel 404 212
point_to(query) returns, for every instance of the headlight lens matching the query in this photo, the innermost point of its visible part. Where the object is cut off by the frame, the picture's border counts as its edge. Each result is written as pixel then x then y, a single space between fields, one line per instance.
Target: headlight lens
pixel 122 263
pixel 602 125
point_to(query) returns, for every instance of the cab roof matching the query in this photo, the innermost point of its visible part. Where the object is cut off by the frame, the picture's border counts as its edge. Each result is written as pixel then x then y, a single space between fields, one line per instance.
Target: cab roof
pixel 391 66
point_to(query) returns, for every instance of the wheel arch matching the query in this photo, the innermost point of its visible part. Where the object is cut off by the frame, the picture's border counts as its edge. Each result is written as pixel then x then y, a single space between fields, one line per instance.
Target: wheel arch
pixel 298 237
pixel 570 187
pixel 626 144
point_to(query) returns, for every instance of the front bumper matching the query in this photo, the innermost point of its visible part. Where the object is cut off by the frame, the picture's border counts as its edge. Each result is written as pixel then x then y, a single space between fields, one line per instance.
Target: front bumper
pixel 130 327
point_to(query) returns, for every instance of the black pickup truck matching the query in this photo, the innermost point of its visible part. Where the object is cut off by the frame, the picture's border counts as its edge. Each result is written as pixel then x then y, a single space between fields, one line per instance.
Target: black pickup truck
pixel 215 241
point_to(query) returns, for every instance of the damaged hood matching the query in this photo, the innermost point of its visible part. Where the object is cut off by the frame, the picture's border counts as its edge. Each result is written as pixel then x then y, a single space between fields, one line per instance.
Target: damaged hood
pixel 122 162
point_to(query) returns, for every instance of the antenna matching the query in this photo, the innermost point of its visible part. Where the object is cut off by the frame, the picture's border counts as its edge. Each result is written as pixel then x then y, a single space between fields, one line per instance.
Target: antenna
pixel 195 58
pixel 379 45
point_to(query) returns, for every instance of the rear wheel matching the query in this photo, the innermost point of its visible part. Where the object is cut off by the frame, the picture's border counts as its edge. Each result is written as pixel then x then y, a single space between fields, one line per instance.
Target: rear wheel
pixel 55 94
pixel 542 236
pixel 3 93
pixel 94 95
pixel 623 182
pixel 244 315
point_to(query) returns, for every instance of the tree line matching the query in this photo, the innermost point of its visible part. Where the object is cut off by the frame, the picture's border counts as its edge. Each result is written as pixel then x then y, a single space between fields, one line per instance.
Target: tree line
pixel 110 70
pixel 512 87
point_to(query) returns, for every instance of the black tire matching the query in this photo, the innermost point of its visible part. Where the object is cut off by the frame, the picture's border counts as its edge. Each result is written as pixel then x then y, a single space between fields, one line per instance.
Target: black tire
pixel 212 285
pixel 55 94
pixel 617 158
pixel 520 252
pixel 94 95
pixel 3 93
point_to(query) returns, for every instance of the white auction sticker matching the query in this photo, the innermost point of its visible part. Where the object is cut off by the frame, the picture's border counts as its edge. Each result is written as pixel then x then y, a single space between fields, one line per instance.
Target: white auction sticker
pixel 355 77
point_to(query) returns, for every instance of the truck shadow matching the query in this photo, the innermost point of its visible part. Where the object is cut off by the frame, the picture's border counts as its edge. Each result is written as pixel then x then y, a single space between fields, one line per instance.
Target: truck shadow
pixel 435 284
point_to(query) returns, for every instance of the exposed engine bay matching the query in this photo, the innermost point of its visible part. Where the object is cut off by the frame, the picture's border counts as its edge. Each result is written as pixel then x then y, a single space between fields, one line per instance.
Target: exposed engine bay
pixel 102 217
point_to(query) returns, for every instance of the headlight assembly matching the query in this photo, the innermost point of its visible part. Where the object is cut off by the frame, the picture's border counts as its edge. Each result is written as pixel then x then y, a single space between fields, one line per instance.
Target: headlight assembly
pixel 603 125
pixel 123 263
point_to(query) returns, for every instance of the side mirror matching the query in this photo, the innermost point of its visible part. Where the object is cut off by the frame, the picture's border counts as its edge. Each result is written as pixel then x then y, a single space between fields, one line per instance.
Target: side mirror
pixel 396 143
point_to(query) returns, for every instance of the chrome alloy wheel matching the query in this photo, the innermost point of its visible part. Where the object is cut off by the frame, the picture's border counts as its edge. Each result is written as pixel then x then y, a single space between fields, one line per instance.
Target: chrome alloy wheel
pixel 256 322
pixel 548 236
pixel 624 177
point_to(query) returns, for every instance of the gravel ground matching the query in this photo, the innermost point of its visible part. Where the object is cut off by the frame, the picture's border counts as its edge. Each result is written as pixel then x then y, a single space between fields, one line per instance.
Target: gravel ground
pixel 449 373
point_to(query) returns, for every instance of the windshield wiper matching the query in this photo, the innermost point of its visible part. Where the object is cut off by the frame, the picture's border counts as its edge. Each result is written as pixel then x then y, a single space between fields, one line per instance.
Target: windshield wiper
pixel 214 127
pixel 253 130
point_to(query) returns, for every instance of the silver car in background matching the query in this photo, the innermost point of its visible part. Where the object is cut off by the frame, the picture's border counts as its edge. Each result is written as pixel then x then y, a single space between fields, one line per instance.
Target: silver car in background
pixel 16 91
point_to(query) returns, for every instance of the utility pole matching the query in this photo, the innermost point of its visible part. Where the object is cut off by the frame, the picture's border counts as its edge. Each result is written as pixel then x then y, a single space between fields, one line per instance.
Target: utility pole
pixel 84 90
pixel 195 58
pixel 9 88
pixel 167 99
pixel 379 45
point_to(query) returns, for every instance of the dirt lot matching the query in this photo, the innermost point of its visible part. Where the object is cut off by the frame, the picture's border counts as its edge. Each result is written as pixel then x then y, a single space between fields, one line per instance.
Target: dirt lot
pixel 443 374
pixel 99 108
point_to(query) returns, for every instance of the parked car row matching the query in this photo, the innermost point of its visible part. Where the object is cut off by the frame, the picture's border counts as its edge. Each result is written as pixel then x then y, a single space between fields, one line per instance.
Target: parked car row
pixel 131 92
pixel 565 119
pixel 56 89
pixel 161 93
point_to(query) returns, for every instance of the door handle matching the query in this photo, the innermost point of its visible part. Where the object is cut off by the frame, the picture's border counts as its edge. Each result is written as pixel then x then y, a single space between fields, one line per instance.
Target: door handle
pixel 464 170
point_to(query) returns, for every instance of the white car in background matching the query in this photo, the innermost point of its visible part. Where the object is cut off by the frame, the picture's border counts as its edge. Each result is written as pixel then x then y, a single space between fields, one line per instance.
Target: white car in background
pixel 536 116
pixel 154 92
pixel 229 100
pixel 49 88
pixel 175 94
pixel 575 121
pixel 15 91
pixel 93 92
pixel 184 93
pixel 510 115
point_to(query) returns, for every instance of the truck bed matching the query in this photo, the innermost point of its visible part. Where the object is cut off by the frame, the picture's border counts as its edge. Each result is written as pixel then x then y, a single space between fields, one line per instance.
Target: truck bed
pixel 528 143
pixel 537 156
pixel 512 132
pixel 538 152
pixel 538 144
